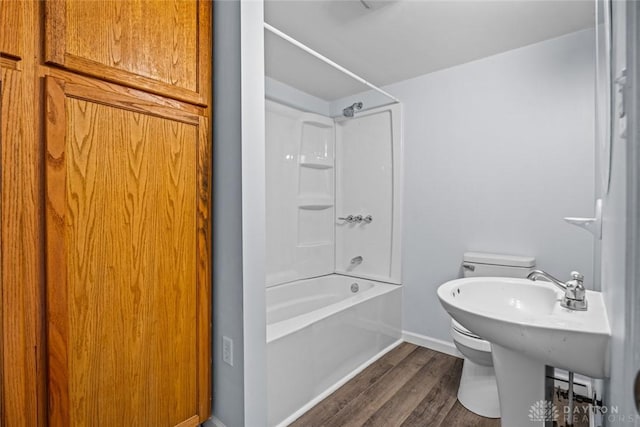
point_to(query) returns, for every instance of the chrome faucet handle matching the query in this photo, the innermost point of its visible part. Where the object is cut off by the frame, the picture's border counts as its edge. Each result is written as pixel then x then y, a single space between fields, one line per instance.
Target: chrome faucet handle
pixel 576 286
pixel 575 293
pixel 577 276
pixel 349 218
pixel 357 218
pixel 368 219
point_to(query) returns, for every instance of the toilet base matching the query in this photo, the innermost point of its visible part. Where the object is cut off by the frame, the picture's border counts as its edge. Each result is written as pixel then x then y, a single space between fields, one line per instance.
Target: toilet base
pixel 478 390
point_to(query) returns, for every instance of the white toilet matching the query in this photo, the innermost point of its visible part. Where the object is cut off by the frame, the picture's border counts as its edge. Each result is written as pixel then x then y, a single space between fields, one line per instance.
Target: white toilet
pixel 478 391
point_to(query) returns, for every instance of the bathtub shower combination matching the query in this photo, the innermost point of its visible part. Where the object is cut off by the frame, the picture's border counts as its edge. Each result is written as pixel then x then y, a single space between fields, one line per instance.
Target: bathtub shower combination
pixel 333 258
pixel 319 331
pixel 333 293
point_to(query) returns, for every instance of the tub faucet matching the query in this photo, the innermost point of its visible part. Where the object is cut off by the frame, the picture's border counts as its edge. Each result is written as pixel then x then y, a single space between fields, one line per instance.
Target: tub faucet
pixel 356 260
pixel 574 293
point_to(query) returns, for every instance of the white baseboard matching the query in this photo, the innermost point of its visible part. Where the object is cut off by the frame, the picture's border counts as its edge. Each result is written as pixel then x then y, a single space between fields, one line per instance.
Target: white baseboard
pixel 431 343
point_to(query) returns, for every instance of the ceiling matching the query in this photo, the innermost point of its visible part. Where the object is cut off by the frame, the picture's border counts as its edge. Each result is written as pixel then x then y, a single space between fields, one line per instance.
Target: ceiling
pixel 398 40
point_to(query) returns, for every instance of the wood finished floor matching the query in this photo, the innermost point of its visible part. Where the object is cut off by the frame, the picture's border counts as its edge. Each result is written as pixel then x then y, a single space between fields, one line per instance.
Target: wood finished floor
pixel 410 386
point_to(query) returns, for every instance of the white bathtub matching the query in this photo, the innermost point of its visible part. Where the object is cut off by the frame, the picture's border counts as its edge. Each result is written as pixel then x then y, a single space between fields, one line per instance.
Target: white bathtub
pixel 320 334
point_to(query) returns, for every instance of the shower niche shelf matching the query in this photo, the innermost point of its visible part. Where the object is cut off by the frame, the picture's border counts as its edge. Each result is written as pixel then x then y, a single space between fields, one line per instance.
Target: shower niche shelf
pixel 315 206
pixel 316 164
pixel 300 194
pixel 314 244
pixel 316 144
pixel 315 227
pixel 315 203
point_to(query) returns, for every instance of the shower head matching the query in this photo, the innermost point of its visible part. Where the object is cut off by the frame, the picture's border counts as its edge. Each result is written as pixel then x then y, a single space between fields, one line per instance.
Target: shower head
pixel 350 110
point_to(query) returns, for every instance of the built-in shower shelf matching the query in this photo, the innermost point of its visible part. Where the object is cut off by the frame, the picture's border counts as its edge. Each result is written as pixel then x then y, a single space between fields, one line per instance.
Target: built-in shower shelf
pixel 315 206
pixel 317 165
pixel 315 162
pixel 315 244
pixel 315 203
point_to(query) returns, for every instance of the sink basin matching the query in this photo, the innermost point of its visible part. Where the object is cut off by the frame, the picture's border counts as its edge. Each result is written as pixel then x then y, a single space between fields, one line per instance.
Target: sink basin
pixel 526 317
pixel 529 332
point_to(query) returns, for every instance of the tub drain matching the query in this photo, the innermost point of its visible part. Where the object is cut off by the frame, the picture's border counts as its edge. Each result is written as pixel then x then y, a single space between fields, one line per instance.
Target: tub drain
pixel 354 287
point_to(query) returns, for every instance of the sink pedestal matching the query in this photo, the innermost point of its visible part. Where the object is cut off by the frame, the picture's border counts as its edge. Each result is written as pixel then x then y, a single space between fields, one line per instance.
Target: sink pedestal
pixel 521 385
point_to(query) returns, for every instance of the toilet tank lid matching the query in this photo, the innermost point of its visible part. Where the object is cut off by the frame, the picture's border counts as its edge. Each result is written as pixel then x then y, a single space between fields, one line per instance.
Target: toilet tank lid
pixel 499 259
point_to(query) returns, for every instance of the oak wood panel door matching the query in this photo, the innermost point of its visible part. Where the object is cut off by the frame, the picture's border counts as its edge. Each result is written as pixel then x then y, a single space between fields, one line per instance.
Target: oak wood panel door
pixel 12 31
pixel 155 45
pixel 21 255
pixel 127 243
pixel 18 248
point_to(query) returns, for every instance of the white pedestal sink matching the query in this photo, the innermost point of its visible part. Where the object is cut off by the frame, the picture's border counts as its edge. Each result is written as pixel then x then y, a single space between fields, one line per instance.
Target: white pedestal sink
pixel 528 330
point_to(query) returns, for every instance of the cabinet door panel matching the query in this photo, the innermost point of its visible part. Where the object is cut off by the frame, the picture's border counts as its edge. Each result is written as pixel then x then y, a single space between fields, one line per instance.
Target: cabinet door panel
pixel 11 28
pixel 159 46
pixel 21 256
pixel 16 325
pixel 124 261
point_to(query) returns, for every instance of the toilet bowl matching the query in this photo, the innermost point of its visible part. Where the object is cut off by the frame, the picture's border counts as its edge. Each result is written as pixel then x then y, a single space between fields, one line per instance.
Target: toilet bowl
pixel 478 389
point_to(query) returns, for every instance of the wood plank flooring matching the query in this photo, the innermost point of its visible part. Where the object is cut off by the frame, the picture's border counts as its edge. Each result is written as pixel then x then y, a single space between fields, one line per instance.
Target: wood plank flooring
pixel 410 386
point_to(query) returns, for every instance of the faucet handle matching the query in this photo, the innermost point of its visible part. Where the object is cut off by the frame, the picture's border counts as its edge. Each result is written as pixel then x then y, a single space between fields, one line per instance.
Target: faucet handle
pixel 577 276
pixel 579 291
pixel 575 293
pixel 348 219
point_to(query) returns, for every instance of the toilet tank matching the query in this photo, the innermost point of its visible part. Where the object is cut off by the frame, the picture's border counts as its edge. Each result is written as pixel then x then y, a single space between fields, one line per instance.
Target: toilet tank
pixel 478 264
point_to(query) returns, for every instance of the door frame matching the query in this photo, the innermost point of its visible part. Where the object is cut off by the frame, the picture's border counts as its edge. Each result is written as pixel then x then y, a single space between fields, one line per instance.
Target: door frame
pixel 632 107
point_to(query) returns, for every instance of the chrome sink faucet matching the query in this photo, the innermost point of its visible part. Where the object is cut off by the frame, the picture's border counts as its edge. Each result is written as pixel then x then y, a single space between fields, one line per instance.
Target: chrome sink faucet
pixel 574 293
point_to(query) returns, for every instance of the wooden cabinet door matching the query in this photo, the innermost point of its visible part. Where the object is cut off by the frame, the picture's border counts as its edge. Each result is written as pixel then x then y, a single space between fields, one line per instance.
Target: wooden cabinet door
pixel 12 28
pixel 12 326
pixel 21 257
pixel 127 266
pixel 19 248
pixel 159 46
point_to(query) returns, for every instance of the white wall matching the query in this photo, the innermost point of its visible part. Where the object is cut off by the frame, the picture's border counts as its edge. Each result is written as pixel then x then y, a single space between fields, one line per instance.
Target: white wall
pixel 497 152
pixel 228 381
pixel 283 93
pixel 238 215
pixel 617 228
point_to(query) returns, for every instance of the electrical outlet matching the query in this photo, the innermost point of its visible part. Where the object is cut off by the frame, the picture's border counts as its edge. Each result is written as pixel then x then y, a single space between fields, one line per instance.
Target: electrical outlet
pixel 227 350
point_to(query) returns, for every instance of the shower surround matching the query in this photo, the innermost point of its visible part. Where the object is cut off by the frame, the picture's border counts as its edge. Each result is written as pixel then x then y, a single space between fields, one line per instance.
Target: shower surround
pixel 333 250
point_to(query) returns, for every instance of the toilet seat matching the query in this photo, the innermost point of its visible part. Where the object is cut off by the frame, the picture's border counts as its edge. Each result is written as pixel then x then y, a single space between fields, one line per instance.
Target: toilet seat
pixel 462 335
pixel 458 327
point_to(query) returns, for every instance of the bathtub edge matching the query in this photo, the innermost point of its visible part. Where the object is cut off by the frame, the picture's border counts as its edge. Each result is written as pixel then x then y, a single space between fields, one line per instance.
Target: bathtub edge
pixel 281 329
